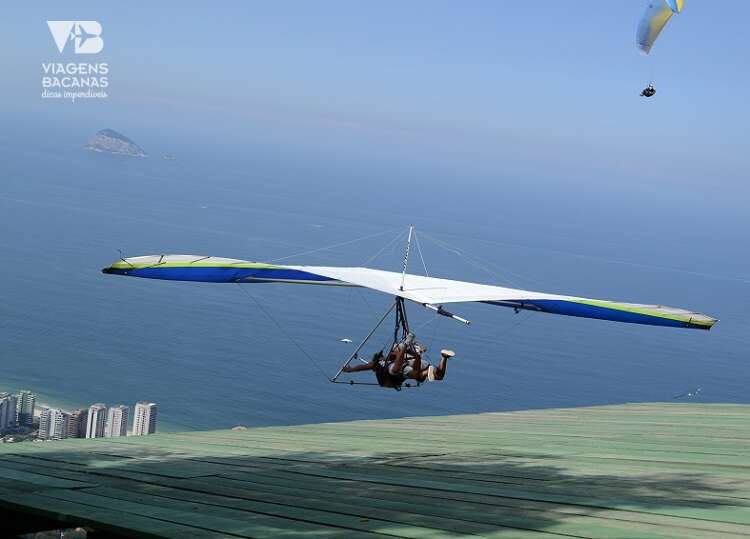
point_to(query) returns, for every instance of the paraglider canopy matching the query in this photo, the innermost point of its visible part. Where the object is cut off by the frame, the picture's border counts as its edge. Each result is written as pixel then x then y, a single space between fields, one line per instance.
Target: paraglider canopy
pixel 655 18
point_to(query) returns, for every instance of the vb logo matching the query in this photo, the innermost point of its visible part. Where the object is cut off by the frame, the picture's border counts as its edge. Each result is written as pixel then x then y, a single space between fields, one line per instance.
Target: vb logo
pixel 85 35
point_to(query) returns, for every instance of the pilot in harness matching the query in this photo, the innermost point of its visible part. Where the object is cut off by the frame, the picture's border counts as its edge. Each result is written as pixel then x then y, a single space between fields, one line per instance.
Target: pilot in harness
pixel 403 361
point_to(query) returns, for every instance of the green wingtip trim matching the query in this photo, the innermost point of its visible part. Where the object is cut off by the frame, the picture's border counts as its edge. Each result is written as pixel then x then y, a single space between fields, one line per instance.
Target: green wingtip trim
pixel 695 319
pixel 120 264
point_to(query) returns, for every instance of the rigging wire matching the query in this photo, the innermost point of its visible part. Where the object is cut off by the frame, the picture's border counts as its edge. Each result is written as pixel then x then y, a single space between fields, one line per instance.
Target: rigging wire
pixel 362 295
pixel 329 247
pixel 479 263
pixel 459 252
pixel 419 250
pixel 436 317
pixel 426 323
pixel 382 250
pixel 486 267
pixel 437 323
pixel 284 332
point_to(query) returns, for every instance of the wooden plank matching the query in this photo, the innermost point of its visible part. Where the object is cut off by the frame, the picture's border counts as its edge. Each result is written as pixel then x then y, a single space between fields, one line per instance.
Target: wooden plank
pixel 126 525
pixel 462 503
pixel 39 479
pixel 396 520
pixel 225 519
pixel 440 518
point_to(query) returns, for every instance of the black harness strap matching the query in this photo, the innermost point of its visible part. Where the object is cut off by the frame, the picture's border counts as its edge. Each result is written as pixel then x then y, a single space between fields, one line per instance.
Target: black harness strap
pixel 402 324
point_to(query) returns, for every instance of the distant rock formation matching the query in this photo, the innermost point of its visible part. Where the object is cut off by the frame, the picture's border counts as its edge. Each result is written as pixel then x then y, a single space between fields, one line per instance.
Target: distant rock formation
pixel 110 141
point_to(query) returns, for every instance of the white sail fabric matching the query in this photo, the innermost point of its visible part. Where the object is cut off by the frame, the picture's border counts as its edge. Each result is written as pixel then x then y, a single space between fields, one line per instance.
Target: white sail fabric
pixel 435 291
pixel 423 289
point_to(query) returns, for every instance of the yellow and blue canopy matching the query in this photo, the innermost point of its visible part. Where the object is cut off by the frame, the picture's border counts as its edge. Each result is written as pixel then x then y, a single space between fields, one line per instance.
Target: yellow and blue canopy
pixel 655 18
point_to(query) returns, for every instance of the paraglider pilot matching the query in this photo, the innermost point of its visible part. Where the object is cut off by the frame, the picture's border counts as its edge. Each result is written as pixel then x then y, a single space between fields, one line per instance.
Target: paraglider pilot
pixel 648 91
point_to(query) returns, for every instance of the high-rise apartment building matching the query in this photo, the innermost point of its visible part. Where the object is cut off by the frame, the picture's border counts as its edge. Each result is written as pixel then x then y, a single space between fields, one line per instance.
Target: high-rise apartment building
pixel 26 403
pixel 144 418
pixel 96 420
pixel 53 424
pixel 77 424
pixel 8 410
pixel 117 421
pixel 44 424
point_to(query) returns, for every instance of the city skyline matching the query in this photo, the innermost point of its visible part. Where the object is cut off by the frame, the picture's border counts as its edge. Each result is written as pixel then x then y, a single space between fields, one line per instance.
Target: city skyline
pixel 19 413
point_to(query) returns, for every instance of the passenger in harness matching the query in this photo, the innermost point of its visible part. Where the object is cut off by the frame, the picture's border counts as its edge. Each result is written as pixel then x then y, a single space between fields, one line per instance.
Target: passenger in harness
pixel 403 362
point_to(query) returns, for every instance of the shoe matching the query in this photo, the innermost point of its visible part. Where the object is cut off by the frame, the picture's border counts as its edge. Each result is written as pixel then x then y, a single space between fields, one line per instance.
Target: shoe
pixel 447 353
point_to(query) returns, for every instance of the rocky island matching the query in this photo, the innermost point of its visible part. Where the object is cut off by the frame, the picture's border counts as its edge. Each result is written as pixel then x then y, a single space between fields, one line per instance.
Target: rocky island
pixel 110 141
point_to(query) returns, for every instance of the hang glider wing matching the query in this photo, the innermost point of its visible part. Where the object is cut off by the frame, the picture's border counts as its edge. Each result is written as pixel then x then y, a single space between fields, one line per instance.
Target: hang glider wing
pixel 420 289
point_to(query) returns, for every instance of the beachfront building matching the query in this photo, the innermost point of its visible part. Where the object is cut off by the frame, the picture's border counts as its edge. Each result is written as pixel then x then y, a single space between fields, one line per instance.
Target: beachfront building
pixel 53 424
pixel 96 420
pixel 44 424
pixel 25 408
pixel 117 421
pixel 8 411
pixel 144 418
pixel 77 423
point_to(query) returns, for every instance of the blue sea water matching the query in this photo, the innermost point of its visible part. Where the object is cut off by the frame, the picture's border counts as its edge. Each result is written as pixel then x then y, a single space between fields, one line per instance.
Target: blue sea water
pixel 211 358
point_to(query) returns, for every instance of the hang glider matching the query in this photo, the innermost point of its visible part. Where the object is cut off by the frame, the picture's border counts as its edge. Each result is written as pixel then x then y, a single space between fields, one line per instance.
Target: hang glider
pixel 430 292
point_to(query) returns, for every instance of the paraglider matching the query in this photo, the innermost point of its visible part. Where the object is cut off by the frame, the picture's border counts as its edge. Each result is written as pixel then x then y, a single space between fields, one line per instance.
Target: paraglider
pixel 655 18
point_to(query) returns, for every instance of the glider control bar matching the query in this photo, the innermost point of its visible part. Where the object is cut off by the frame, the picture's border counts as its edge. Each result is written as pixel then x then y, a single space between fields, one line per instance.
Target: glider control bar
pixel 439 309
pixel 355 354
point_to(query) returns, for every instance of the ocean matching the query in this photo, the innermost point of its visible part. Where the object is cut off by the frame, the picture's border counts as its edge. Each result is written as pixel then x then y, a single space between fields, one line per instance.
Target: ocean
pixel 211 358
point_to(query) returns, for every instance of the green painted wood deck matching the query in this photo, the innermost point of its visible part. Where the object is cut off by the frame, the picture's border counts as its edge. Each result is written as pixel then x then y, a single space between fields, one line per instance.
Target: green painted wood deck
pixel 634 471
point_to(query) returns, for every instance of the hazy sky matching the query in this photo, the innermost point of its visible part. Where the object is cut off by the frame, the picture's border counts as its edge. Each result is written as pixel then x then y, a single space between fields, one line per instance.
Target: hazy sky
pixel 493 84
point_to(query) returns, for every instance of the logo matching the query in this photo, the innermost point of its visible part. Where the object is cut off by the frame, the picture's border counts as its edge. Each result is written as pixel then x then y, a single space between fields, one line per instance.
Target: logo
pixel 85 35
pixel 76 80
